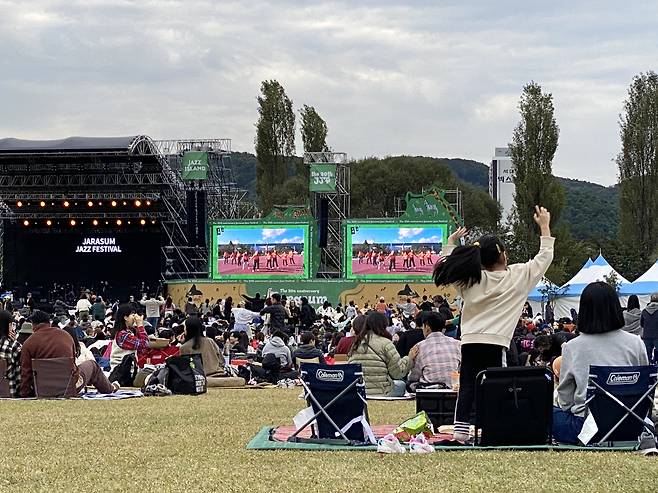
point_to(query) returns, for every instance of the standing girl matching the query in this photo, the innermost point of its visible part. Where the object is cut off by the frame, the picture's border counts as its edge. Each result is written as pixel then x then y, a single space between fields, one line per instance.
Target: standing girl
pixel 493 295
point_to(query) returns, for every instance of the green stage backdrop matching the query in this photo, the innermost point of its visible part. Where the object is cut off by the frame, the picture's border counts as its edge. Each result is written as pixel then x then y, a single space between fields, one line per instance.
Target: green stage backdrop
pixel 322 178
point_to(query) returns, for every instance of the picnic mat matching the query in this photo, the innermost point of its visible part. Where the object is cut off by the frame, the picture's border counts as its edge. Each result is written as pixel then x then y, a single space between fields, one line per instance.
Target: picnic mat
pixel 274 438
pixel 119 394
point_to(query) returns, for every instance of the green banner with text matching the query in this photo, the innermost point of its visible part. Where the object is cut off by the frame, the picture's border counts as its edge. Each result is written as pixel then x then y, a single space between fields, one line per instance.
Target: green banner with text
pixel 195 166
pixel 322 178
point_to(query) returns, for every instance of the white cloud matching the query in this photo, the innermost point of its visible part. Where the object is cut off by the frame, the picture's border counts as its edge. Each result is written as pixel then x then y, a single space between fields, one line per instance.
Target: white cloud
pixel 431 239
pixel 405 233
pixel 294 239
pixel 269 234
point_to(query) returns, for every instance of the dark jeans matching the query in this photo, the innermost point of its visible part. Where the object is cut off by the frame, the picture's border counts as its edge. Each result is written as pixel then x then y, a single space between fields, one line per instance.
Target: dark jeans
pixel 92 374
pixel 566 426
pixel 475 358
pixel 154 322
pixel 652 345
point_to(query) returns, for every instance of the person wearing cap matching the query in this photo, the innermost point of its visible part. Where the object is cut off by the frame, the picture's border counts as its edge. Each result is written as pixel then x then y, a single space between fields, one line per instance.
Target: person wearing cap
pixel 25 332
pixel 50 342
pixel 10 351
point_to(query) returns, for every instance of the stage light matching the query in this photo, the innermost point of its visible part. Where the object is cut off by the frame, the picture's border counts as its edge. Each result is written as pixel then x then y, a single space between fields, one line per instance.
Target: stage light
pixel 125 203
pixel 42 204
pixel 119 223
pixel 90 203
pixel 138 203
pixel 148 202
pixel 114 203
pixel 153 222
pixel 66 203
pixel 142 222
pixel 19 204
pixel 95 222
pixel 49 222
pixel 26 223
pixel 128 222
pixel 72 222
pixel 100 203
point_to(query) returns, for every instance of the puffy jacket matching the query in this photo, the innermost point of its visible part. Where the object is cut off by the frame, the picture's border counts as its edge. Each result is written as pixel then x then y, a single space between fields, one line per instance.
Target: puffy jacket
pixel 381 364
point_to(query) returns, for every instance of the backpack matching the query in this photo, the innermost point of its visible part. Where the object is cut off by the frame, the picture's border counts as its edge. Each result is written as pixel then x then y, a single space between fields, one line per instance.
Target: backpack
pixel 185 375
pixel 271 362
pixel 125 372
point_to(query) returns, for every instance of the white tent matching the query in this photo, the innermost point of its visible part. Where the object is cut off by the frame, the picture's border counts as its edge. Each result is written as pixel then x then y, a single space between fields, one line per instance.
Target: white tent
pixel 537 297
pixel 592 271
pixel 643 287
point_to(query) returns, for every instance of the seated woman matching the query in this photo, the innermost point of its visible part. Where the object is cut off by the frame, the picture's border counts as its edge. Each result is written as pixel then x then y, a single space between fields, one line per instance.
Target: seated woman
pixel 345 344
pixel 128 335
pixel 383 368
pixel 82 352
pixel 196 343
pixel 10 351
pixel 603 342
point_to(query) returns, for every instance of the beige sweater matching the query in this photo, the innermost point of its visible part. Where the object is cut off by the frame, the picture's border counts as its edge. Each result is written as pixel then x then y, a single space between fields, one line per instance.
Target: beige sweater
pixel 492 307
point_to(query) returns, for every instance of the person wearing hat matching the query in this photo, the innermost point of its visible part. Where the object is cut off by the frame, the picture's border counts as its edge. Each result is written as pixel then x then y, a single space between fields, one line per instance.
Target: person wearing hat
pixel 25 332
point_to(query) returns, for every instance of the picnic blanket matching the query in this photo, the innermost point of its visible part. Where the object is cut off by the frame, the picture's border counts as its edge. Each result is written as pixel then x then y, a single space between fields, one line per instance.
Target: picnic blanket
pixel 275 438
pixel 119 394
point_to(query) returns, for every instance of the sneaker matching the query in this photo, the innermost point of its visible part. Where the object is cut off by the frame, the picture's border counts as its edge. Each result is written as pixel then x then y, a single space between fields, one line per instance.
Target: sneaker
pixel 157 390
pixel 390 445
pixel 115 386
pixel 419 445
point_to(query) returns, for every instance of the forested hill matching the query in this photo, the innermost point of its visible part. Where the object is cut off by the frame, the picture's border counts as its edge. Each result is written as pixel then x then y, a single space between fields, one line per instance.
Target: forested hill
pixel 592 211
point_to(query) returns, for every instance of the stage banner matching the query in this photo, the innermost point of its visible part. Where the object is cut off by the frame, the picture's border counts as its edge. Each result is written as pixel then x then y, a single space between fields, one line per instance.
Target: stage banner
pixel 323 178
pixel 195 166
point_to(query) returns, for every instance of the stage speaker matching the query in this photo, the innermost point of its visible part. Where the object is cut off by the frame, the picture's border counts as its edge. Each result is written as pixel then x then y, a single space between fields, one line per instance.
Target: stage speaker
pixel 190 203
pixel 201 218
pixel 323 222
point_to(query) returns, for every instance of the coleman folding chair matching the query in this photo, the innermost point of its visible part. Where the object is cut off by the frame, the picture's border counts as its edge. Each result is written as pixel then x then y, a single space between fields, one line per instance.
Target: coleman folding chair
pixel 337 396
pixel 620 400
pixel 53 377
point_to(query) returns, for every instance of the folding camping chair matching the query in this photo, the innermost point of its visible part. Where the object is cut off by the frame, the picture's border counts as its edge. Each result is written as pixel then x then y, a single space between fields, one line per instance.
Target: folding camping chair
pixel 300 361
pixel 53 377
pixel 337 396
pixel 514 406
pixel 4 383
pixel 619 400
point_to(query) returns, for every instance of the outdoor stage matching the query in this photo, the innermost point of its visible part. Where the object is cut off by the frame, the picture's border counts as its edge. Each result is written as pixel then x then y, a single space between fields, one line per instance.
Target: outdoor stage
pixel 296 267
pixel 361 269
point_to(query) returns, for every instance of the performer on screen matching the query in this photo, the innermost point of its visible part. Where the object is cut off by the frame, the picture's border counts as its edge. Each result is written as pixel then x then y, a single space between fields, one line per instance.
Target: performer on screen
pixel 291 257
pixel 275 258
pixel 421 258
pixel 405 260
pixel 245 260
pixel 256 261
pixel 284 257
pixel 234 258
pixel 268 258
pixel 360 257
pixel 391 261
pixel 226 256
pixel 380 260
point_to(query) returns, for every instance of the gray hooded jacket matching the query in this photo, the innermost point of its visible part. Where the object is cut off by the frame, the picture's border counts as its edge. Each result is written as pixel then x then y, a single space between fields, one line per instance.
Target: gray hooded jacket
pixel 632 320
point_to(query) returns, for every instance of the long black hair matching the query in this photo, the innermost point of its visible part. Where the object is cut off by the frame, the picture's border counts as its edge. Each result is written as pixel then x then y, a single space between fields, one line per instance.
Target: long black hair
pixel 376 324
pixel 600 310
pixel 6 319
pixel 71 331
pixel 464 266
pixel 119 319
pixel 194 330
pixel 633 302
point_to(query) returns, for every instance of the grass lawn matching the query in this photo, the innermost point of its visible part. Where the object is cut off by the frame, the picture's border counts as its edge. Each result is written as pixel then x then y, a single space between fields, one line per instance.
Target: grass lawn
pixel 198 444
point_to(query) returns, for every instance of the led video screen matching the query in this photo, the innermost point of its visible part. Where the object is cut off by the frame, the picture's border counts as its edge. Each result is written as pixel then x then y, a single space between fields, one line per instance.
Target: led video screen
pixel 260 251
pixel 392 251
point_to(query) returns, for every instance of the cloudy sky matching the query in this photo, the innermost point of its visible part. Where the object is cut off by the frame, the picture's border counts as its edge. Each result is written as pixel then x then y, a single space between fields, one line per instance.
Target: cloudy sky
pixel 437 78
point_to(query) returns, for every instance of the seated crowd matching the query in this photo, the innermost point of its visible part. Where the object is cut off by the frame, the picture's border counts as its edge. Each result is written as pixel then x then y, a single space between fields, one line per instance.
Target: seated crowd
pixel 401 347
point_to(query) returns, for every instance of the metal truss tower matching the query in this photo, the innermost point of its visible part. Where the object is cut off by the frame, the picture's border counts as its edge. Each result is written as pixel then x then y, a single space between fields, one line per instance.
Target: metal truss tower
pixel 331 257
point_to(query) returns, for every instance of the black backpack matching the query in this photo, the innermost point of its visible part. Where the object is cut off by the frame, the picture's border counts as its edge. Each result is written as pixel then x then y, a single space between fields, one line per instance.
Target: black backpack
pixel 185 375
pixel 271 362
pixel 125 372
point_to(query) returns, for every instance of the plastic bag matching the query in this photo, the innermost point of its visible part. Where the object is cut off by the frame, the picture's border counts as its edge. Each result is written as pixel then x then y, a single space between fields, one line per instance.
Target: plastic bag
pixel 416 425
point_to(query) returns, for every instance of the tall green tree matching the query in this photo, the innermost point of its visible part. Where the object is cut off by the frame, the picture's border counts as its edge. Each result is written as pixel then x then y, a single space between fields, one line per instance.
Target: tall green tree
pixel 533 146
pixel 314 130
pixel 274 142
pixel 638 167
